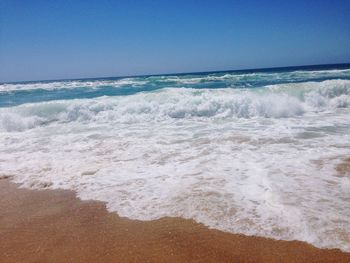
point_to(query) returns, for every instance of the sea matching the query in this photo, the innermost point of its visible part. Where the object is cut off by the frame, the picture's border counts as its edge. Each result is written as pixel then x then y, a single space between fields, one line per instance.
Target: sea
pixel 261 152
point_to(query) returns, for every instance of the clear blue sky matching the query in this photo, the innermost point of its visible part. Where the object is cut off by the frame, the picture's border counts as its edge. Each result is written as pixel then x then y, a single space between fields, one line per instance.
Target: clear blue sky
pixel 75 39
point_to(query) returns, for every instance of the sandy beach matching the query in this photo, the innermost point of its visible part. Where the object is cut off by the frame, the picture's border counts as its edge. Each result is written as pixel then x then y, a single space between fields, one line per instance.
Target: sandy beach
pixel 55 226
pixel 174 131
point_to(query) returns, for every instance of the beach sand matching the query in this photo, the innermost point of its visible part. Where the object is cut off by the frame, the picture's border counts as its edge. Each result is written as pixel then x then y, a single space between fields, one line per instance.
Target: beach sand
pixel 55 226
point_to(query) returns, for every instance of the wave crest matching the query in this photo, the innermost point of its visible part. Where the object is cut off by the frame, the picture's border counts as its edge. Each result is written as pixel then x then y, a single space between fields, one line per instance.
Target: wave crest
pixel 278 101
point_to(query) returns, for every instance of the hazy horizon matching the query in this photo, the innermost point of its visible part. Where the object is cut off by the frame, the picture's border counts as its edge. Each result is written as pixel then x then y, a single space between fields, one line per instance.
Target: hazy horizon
pixel 342 65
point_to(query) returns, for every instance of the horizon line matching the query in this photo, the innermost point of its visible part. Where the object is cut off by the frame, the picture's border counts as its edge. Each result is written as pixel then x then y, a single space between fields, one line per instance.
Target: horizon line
pixel 182 73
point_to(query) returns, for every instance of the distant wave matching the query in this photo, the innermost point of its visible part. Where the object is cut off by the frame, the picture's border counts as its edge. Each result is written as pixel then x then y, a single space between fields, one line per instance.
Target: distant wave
pixel 276 101
pixel 238 80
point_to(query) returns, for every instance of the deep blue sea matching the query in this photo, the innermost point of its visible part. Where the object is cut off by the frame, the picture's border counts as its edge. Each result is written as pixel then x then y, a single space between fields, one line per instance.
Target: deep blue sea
pixel 260 152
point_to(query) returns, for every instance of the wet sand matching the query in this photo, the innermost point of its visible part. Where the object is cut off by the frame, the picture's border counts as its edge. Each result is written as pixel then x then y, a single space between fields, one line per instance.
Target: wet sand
pixel 55 226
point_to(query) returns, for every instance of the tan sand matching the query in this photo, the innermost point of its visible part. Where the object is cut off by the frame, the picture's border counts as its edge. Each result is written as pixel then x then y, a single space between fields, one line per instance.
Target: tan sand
pixel 55 226
pixel 343 168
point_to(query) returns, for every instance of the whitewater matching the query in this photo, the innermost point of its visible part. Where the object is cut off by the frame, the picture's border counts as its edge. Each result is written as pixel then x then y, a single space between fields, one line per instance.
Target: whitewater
pixel 261 152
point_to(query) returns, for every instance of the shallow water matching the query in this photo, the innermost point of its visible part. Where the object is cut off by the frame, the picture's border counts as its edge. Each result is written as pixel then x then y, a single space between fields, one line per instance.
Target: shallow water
pixel 256 153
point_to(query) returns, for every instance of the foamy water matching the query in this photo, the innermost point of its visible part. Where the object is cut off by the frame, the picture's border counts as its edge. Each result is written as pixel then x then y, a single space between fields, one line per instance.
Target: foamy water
pixel 253 153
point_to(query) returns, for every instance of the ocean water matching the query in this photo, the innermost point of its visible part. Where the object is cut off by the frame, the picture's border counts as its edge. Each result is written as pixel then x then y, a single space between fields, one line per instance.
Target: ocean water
pixel 258 152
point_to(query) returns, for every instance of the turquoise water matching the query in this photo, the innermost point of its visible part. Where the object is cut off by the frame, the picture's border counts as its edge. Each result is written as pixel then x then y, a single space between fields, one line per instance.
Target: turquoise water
pixel 19 93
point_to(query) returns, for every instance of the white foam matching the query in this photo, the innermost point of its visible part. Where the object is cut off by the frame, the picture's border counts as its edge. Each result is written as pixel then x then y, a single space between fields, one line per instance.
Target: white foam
pixel 257 162
pixel 233 78
pixel 277 101
pixel 69 84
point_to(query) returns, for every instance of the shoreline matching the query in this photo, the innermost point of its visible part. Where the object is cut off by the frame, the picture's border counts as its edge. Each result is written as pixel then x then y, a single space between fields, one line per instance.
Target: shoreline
pixel 56 226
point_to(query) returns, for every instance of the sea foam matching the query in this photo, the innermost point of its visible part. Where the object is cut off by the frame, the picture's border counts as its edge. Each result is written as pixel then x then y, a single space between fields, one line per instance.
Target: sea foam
pixel 258 161
pixel 277 101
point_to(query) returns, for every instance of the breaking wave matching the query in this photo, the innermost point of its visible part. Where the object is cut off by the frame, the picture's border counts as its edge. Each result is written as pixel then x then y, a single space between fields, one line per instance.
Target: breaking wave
pixel 261 153
pixel 277 101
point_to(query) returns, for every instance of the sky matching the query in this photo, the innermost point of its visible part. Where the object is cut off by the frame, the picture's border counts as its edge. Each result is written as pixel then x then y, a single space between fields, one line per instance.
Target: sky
pixel 78 39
